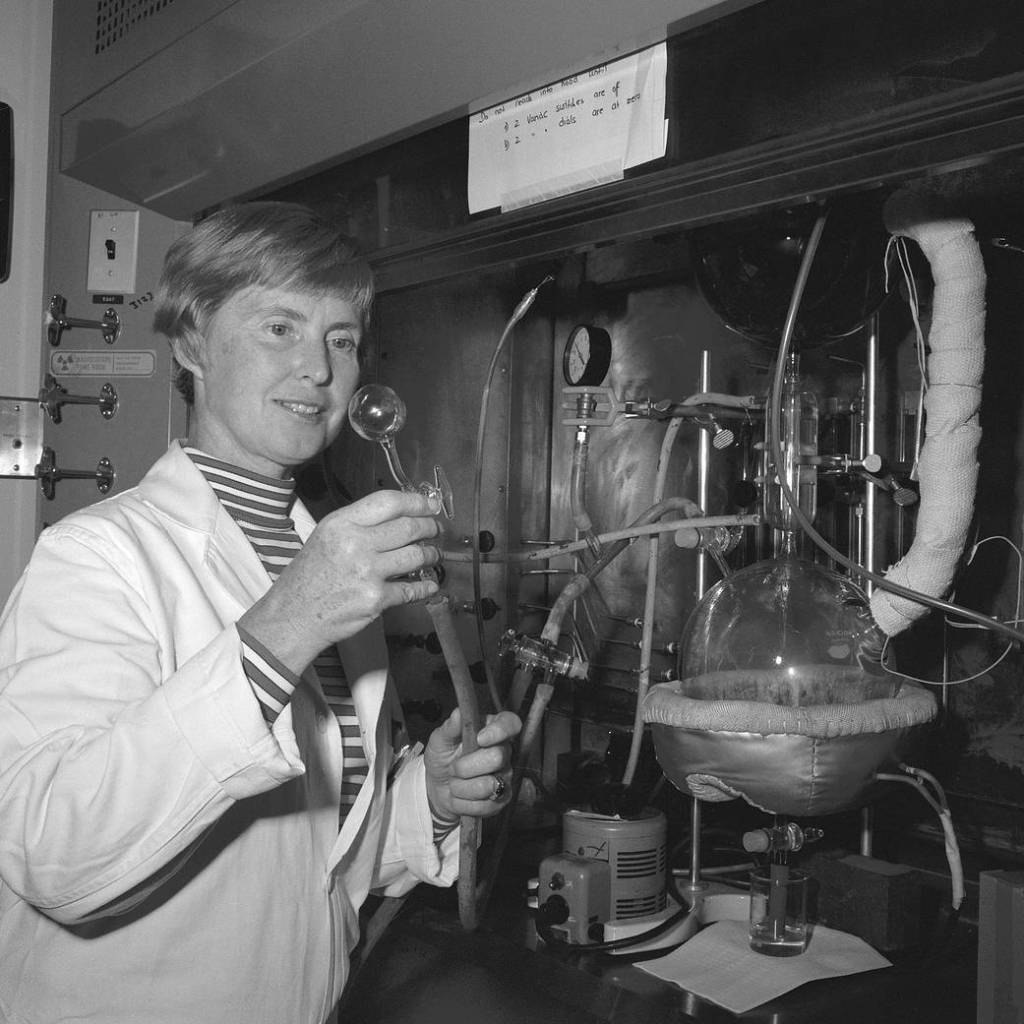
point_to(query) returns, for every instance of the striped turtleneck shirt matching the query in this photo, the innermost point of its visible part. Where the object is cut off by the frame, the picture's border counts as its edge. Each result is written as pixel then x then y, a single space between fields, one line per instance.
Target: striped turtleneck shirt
pixel 261 507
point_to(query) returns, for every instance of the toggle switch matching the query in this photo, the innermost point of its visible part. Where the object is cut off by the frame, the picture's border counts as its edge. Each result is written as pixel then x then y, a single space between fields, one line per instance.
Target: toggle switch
pixel 113 251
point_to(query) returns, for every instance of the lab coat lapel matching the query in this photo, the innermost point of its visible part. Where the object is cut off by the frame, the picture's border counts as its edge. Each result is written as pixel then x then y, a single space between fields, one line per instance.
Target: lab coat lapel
pixel 213 542
pixel 235 563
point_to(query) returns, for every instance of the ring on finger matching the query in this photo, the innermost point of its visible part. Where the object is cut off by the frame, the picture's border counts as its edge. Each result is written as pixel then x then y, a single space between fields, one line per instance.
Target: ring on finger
pixel 500 787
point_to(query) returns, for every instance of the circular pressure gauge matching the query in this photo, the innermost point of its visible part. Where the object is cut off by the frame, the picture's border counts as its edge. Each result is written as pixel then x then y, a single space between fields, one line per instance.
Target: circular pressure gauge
pixel 587 356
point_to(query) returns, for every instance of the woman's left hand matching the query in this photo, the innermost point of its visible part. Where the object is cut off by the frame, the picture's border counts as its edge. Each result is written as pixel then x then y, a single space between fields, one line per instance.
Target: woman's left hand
pixel 479 783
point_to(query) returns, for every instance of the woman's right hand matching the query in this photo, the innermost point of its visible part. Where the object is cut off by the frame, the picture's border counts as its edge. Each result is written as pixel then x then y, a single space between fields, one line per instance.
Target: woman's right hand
pixel 356 563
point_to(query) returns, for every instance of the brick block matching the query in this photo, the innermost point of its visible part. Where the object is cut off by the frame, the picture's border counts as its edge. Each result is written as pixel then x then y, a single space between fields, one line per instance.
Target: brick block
pixel 873 899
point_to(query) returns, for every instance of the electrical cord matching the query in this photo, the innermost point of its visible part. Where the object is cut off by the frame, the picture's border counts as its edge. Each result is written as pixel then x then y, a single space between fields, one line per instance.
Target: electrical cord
pixel 936 799
pixel 931 790
pixel 965 625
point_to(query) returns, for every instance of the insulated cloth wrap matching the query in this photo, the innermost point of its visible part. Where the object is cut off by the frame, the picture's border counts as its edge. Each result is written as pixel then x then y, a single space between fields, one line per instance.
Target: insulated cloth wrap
pixel 845 703
pixel 788 746
pixel 947 464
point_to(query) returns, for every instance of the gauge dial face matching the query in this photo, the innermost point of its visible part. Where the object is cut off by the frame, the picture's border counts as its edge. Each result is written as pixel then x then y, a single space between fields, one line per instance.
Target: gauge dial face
pixel 587 356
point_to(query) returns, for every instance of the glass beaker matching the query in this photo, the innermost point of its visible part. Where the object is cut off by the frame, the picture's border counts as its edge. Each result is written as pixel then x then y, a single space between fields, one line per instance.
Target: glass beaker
pixel 778 911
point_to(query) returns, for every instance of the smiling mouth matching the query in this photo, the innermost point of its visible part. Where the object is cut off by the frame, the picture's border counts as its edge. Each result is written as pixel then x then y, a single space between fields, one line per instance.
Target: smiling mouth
pixel 303 409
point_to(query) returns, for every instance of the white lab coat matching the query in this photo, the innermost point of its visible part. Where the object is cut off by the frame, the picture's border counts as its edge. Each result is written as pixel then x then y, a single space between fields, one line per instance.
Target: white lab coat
pixel 164 857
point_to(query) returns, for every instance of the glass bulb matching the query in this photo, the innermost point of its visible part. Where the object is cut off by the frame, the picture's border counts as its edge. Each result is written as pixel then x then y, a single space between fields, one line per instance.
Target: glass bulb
pixel 376 412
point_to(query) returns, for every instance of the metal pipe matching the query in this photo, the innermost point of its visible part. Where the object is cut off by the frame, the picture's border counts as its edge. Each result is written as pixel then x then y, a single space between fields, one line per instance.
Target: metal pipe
pixel 866 536
pixel 870 425
pixel 703 462
pixel 695 816
pixel 867 830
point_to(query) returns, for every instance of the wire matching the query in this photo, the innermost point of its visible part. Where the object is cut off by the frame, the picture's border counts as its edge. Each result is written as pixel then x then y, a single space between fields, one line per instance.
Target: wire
pixel 1020 578
pixel 775 441
pixel 940 805
pixel 940 793
pixel 941 682
pixel 898 244
pixel 970 625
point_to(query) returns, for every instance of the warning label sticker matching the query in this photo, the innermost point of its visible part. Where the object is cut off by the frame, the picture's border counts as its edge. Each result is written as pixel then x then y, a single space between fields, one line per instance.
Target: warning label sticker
pixel 103 363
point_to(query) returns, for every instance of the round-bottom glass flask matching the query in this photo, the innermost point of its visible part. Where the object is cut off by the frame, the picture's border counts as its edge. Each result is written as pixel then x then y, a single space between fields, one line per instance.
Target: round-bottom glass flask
pixel 781 697
pixel 784 616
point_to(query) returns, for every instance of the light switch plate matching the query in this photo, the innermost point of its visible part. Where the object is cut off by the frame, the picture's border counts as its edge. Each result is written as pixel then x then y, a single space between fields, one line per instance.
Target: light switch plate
pixel 113 251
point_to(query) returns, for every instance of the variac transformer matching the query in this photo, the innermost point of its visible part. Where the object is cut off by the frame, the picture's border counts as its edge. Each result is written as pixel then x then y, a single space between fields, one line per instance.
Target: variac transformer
pixel 610 870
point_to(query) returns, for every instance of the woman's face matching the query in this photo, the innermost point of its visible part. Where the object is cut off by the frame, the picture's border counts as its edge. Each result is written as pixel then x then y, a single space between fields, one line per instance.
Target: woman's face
pixel 274 377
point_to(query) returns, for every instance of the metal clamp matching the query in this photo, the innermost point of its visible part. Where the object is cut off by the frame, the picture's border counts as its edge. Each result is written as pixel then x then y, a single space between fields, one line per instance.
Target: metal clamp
pixel 702 408
pixel 783 837
pixel 57 322
pixel 871 463
pixel 52 396
pixel 49 473
pixel 533 653
pixel 593 406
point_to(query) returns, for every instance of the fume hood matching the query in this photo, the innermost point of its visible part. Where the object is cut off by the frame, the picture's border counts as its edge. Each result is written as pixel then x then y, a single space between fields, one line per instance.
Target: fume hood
pixel 676 282
pixel 179 105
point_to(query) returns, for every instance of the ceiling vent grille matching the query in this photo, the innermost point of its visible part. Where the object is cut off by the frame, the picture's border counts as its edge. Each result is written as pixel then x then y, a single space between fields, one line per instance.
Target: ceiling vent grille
pixel 116 18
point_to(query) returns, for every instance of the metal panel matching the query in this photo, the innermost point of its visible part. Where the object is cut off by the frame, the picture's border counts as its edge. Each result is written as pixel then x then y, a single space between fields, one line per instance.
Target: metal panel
pixel 263 92
pixel 86 55
pixel 972 127
pixel 643 294
pixel 21 436
pixel 116 20
pixel 148 413
pixel 434 347
pixel 435 342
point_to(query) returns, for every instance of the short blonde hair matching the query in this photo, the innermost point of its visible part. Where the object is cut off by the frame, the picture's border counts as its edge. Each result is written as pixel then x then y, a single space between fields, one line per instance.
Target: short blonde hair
pixel 260 243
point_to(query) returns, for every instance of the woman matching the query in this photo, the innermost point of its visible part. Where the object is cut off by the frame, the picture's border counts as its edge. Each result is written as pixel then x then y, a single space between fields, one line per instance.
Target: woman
pixel 199 780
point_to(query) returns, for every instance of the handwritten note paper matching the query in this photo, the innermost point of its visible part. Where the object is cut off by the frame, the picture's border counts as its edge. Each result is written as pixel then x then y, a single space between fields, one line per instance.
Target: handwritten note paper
pixel 582 131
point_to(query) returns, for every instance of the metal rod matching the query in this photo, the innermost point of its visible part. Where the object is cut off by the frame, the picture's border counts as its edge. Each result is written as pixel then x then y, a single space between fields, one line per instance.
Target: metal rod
pixel 867 825
pixel 868 520
pixel 695 816
pixel 870 423
pixel 703 462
